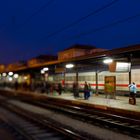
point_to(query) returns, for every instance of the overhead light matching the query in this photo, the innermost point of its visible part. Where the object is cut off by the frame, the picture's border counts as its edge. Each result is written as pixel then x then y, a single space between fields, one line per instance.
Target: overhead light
pixel 107 61
pixel 16 76
pixel 45 69
pixel 10 73
pixel 69 66
pixel 4 74
pixel 42 71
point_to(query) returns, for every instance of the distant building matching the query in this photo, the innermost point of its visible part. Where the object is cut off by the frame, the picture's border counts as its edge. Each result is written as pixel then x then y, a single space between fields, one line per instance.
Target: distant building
pixel 77 50
pixel 41 59
pixel 96 50
pixel 2 68
pixel 16 66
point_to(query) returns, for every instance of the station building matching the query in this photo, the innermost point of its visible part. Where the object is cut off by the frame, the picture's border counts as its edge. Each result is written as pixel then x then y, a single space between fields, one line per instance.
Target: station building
pixel 108 71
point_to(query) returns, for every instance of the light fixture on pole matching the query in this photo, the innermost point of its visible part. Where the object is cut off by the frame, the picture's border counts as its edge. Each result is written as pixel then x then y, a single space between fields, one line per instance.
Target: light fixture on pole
pixel 108 61
pixel 10 73
pixel 16 75
pixel 45 69
pixel 69 66
pixel 42 71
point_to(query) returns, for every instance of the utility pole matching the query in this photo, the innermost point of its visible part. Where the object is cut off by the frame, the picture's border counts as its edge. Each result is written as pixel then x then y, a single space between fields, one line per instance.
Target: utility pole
pixel 130 61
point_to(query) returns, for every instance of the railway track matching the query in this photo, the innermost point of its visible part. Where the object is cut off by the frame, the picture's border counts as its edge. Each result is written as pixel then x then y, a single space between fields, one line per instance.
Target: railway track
pixel 12 132
pixel 125 125
pixel 118 123
pixel 33 127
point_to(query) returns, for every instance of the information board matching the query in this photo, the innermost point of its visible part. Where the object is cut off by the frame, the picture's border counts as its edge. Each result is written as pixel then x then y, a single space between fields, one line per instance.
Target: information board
pixel 110 86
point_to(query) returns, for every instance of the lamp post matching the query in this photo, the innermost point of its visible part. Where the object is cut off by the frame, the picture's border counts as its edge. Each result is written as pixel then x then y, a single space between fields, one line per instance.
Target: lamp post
pixel 130 61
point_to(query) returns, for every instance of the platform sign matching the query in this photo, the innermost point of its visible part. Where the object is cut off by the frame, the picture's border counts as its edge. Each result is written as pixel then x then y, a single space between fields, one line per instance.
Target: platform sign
pixel 119 67
pixel 110 86
pixel 123 67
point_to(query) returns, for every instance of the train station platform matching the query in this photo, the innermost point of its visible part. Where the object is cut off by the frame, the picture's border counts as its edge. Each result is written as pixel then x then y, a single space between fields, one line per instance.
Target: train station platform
pixel 121 102
pixel 118 105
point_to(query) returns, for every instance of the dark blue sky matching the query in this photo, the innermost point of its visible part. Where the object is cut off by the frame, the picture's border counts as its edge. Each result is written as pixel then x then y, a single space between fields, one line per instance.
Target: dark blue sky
pixel 32 27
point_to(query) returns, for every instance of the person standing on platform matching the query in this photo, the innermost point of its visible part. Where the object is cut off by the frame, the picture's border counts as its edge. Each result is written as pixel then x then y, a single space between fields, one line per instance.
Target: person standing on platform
pixel 59 88
pixel 133 91
pixel 86 91
pixel 75 90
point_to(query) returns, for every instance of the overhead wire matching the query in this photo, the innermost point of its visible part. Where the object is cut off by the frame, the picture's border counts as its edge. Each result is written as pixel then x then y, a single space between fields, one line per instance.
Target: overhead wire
pixel 81 19
pixel 29 18
pixel 36 12
pixel 91 31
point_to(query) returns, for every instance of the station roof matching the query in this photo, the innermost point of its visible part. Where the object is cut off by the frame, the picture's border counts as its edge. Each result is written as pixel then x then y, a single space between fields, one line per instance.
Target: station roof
pixel 79 46
pixel 121 54
pixel 133 51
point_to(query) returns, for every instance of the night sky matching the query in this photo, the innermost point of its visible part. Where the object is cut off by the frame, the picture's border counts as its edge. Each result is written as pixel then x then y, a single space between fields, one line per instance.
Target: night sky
pixel 29 28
